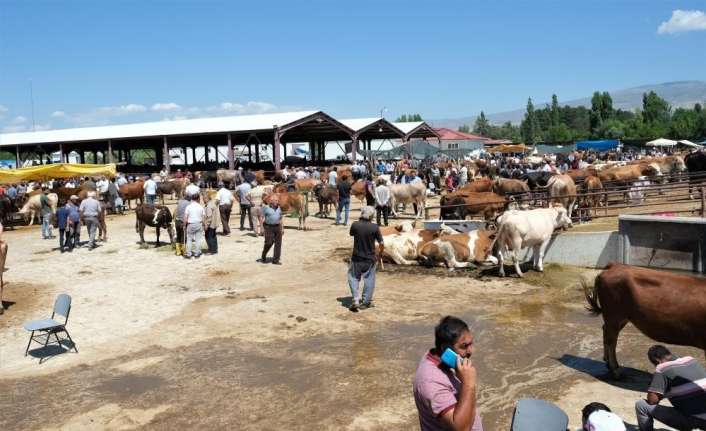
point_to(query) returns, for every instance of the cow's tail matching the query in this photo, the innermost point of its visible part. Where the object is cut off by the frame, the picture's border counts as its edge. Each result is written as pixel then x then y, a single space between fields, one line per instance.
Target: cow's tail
pixel 591 294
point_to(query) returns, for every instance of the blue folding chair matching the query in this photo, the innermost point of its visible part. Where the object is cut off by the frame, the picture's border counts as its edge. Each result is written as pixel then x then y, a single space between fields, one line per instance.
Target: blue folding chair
pixel 533 415
pixel 48 327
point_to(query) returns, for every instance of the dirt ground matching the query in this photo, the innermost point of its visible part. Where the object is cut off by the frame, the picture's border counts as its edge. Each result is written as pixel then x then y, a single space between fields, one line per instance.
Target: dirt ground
pixel 225 342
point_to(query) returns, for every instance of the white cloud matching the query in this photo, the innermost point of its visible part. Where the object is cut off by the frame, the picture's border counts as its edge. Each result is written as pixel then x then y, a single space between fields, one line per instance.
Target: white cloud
pixel 58 114
pixel 683 21
pixel 130 108
pixel 251 107
pixel 175 118
pixel 19 120
pixel 3 109
pixel 171 106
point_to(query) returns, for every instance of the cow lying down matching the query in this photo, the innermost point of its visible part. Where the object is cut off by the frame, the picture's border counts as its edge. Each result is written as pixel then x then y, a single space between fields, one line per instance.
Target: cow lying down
pixel 406 245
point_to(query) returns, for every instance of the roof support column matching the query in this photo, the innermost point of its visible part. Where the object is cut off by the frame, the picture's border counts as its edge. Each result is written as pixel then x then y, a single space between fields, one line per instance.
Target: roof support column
pixel 18 160
pixel 231 154
pixel 61 154
pixel 277 151
pixel 165 155
pixel 354 147
pixel 110 151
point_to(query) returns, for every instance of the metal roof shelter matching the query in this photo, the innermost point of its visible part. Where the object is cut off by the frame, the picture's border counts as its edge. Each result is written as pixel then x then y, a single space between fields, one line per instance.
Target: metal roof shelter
pixel 314 127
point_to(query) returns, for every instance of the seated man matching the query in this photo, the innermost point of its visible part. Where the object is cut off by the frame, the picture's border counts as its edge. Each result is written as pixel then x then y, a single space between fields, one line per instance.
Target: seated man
pixel 446 397
pixel 683 381
pixel 598 417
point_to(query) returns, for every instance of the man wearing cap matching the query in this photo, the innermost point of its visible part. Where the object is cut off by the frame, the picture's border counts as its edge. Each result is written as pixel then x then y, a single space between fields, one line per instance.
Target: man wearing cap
pixel 225 206
pixel 363 261
pixel 89 209
pixel 211 222
pixel 73 234
pixel 272 215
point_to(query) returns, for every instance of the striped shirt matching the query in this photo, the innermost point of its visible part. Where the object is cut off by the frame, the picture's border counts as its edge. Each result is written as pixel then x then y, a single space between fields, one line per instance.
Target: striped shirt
pixel 683 381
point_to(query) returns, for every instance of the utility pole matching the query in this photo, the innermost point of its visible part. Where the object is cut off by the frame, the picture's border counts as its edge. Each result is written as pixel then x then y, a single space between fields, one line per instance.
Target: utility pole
pixel 31 100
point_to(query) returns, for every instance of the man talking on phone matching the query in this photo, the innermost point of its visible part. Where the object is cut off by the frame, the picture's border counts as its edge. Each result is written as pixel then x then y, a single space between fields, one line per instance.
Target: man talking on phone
pixel 444 390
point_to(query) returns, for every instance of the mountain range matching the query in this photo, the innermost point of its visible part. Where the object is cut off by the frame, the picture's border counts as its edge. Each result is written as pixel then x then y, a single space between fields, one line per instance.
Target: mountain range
pixel 677 93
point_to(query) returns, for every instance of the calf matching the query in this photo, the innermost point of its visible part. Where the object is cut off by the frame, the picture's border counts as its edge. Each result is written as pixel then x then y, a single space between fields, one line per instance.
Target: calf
pixel 157 216
pixel 325 196
pixel 460 249
pixel 533 228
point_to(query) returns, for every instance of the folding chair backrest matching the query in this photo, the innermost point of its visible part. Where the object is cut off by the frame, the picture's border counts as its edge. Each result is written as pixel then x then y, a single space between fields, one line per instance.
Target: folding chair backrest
pixel 532 414
pixel 62 306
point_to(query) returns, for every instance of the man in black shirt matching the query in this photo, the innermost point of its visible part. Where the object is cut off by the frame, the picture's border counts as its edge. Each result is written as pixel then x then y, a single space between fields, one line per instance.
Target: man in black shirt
pixel 364 259
pixel 344 199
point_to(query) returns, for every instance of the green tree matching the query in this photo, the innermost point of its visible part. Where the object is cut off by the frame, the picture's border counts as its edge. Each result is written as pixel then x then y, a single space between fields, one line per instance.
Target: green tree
pixel 684 124
pixel 464 129
pixel 482 125
pixel 596 114
pixel 530 127
pixel 556 117
pixel 558 134
pixel 655 110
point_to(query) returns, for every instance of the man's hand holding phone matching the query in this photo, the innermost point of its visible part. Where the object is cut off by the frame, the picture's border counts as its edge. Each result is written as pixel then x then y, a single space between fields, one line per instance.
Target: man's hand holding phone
pixel 466 372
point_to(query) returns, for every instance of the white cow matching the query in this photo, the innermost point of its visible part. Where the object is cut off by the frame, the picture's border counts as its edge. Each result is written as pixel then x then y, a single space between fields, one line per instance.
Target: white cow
pixel 534 228
pixel 34 206
pixel 408 194
pixel 402 247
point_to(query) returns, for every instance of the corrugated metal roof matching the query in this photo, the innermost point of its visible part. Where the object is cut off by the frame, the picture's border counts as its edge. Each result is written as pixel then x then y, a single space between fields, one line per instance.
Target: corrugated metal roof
pixel 357 124
pixel 407 127
pixel 240 123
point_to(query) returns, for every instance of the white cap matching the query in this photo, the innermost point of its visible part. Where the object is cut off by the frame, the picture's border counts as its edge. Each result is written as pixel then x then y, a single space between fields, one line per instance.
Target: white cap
pixel 602 420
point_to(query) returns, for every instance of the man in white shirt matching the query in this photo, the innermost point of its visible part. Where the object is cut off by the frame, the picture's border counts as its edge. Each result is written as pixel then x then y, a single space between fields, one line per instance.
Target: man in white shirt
pixel 300 175
pixel 121 180
pixel 150 188
pixel 102 187
pixel 191 190
pixel 194 225
pixel 332 177
pixel 225 206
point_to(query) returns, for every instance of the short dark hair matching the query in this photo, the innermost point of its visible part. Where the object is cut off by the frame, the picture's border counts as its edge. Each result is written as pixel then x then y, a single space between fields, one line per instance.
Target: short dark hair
pixel 447 332
pixel 591 408
pixel 657 352
pixel 344 177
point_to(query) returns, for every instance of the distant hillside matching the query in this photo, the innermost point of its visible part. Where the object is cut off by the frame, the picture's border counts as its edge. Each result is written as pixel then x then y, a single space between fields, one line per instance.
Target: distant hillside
pixel 678 94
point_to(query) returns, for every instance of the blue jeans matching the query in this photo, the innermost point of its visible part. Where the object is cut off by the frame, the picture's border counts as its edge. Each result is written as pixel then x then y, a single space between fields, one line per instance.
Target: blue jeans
pixel 46 226
pixel 366 271
pixel 151 199
pixel 343 203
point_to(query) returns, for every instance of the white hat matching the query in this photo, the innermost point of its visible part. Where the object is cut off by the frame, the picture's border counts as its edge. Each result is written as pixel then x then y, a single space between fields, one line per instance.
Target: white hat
pixel 602 420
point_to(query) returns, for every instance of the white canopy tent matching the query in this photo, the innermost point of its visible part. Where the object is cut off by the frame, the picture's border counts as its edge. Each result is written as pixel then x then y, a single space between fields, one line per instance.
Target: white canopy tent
pixel 662 142
pixel 687 143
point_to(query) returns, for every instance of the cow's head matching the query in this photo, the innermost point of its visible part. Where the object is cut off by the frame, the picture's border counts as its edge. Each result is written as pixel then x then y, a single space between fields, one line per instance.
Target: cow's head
pixel 429 253
pixel 164 217
pixel 562 220
pixel 678 164
pixel 483 247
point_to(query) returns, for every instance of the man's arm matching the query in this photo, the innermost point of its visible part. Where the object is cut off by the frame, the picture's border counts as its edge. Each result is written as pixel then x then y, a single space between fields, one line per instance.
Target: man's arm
pixel 463 414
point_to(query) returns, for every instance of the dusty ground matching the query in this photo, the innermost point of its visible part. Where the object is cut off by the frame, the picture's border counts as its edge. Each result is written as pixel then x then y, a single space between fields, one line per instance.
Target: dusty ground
pixel 224 342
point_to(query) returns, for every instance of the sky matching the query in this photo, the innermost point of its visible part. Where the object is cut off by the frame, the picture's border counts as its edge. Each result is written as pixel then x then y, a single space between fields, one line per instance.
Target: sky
pixel 95 63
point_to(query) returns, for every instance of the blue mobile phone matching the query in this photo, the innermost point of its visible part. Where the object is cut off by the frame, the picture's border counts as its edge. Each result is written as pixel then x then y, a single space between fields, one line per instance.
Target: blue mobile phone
pixel 449 358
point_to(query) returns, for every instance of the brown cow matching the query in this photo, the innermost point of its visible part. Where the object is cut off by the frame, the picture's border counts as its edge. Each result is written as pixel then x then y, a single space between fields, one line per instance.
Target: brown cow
pixel 291 203
pixel 170 187
pixel 477 185
pixel 669 308
pixel 325 196
pixel 579 175
pixel 156 216
pixel 131 191
pixel 260 176
pixel 460 249
pixel 592 184
pixel 505 187
pixel 628 173
pixel 563 190
pixel 459 205
pixel 358 190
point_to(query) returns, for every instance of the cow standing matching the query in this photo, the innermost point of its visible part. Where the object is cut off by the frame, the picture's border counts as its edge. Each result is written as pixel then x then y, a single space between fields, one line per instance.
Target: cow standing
pixel 415 194
pixel 667 307
pixel 325 196
pixel 533 228
pixel 154 216
pixel 33 206
pixel 563 190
